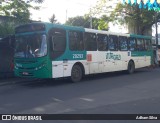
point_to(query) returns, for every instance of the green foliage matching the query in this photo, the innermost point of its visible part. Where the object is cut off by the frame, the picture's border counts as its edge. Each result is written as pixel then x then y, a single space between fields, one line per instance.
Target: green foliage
pixel 18 9
pixel 99 8
pixel 139 19
pixel 17 12
pixel 84 21
pixel 53 19
pixel 103 23
pixel 6 29
pixel 79 21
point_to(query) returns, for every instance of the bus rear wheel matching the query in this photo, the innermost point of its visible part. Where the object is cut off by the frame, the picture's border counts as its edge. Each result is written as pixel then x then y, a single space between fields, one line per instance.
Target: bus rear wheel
pixel 131 67
pixel 76 74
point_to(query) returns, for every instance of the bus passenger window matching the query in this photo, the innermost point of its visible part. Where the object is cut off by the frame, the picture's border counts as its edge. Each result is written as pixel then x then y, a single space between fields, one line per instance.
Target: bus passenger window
pixel 90 42
pixel 58 44
pixel 132 44
pixel 76 41
pixel 147 44
pixel 113 43
pixel 123 43
pixel 102 42
pixel 140 45
pixel 57 40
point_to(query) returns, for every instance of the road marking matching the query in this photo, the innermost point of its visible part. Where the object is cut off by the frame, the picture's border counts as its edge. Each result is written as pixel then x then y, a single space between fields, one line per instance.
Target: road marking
pixel 67 110
pixel 57 100
pixel 87 99
pixel 39 109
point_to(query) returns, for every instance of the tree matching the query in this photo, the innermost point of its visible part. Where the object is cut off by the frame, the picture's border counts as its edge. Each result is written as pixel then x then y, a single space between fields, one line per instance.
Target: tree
pixel 103 23
pixel 53 19
pixel 84 21
pixel 17 12
pixel 139 21
pixel 18 9
pixel 6 29
pixel 78 21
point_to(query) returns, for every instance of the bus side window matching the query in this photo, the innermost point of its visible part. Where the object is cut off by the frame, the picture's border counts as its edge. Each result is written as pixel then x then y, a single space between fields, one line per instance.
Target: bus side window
pixel 13 41
pixel 113 43
pixel 76 41
pixel 123 45
pixel 57 40
pixel 132 44
pixel 90 41
pixel 102 42
pixel 147 44
pixel 140 45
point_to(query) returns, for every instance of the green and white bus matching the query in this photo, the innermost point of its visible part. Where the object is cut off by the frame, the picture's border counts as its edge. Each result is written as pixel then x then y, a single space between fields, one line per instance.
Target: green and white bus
pixel 45 50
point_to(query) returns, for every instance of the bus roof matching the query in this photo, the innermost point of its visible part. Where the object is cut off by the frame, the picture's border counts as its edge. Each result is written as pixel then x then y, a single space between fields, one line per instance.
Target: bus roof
pixel 50 25
pixel 140 36
pixel 106 32
pixel 67 27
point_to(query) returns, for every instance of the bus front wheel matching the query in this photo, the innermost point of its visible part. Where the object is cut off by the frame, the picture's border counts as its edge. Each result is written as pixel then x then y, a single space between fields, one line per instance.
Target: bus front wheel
pixel 131 67
pixel 76 74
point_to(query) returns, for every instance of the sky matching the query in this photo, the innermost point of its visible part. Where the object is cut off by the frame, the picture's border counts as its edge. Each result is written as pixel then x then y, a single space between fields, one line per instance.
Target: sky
pixel 62 9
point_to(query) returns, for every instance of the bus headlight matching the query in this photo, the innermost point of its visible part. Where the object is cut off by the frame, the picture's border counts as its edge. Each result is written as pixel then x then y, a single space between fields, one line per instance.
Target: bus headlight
pixel 15 67
pixel 41 66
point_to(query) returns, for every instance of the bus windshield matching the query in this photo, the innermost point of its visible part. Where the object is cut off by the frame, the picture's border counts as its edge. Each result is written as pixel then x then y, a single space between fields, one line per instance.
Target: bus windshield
pixel 31 46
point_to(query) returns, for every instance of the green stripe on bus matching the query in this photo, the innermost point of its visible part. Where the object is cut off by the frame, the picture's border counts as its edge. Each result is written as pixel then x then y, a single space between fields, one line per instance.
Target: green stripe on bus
pixel 142 53
pixel 140 36
pixel 72 55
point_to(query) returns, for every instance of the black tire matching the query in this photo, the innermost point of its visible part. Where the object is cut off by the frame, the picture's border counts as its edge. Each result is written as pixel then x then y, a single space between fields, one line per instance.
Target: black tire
pixel 76 74
pixel 131 67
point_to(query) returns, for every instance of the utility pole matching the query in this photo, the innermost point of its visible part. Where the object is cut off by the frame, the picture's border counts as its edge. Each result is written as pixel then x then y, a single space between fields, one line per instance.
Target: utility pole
pixel 91 22
pixel 156 36
pixel 90 19
pixel 156 31
pixel 66 15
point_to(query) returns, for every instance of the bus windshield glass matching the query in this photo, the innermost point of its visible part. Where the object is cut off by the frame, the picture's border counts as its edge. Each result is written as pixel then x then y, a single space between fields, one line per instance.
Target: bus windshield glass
pixel 31 46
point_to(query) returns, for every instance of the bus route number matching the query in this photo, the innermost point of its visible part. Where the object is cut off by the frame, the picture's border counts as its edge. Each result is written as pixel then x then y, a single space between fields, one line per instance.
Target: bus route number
pixel 77 56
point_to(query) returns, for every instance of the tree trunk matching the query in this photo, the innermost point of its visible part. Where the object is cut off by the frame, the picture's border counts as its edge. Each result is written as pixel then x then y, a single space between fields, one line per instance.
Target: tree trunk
pixel 139 30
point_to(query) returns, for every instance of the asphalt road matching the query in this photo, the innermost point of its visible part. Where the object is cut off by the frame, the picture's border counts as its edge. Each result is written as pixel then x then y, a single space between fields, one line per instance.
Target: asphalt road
pixel 109 93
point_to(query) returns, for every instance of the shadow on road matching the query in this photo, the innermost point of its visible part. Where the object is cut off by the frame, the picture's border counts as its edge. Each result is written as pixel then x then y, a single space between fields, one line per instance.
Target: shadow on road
pixel 19 96
pixel 36 83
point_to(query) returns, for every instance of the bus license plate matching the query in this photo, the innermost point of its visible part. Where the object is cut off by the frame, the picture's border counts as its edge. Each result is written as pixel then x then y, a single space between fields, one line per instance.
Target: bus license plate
pixel 25 73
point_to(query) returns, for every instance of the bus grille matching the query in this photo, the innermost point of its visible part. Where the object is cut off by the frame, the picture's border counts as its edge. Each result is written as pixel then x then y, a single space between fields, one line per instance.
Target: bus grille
pixel 25 62
pixel 22 68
